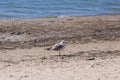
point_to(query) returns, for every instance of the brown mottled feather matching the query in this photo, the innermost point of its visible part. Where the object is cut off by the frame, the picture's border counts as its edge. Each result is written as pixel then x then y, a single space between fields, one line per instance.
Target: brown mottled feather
pixel 58 47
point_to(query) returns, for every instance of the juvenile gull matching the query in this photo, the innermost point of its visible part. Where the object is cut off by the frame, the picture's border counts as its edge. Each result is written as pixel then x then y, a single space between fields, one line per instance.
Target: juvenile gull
pixel 59 46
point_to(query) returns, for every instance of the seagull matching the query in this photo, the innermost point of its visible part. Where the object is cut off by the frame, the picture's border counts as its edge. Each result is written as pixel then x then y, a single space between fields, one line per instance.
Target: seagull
pixel 59 46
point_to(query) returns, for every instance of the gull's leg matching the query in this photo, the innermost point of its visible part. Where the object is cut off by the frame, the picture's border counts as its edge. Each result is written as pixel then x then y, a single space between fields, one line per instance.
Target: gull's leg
pixel 59 53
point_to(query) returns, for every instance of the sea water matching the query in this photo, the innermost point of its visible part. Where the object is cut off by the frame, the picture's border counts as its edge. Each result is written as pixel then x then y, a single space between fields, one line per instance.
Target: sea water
pixel 46 8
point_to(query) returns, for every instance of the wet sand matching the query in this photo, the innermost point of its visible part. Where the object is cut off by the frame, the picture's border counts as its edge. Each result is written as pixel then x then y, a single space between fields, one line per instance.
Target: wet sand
pixel 91 54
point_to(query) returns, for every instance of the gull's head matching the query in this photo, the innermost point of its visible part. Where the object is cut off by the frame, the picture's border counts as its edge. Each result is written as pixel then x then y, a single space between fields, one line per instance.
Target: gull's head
pixel 63 42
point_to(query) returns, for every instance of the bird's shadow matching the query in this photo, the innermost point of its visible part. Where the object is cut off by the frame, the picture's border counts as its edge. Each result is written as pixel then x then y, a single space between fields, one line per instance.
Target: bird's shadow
pixel 77 55
pixel 70 55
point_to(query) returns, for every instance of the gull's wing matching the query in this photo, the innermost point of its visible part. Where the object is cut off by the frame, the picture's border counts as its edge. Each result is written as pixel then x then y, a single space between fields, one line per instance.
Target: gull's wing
pixel 57 47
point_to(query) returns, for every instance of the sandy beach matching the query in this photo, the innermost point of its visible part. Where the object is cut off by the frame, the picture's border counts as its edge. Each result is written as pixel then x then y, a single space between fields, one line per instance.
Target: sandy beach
pixel 92 52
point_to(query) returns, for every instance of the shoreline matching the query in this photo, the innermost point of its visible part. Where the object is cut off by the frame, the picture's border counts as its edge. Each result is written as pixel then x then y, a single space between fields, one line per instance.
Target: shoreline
pixel 52 17
pixel 65 16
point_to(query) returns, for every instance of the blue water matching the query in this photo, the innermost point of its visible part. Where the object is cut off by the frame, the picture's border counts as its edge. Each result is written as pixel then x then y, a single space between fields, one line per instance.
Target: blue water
pixel 45 8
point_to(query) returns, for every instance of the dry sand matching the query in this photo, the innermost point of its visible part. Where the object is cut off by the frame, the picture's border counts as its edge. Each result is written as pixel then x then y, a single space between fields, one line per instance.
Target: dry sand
pixel 91 54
